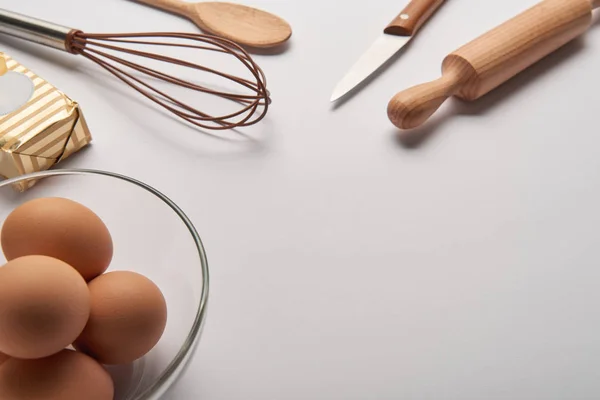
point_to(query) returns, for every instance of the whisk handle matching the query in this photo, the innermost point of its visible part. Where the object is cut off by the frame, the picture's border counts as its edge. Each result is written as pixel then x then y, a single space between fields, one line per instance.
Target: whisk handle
pixel 34 30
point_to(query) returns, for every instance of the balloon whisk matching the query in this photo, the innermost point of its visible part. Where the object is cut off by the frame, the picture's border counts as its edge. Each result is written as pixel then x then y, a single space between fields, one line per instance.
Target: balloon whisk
pixel 125 56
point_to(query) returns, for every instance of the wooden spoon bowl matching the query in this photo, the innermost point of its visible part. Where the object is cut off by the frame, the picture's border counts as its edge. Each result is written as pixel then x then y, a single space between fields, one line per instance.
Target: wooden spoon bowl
pixel 245 25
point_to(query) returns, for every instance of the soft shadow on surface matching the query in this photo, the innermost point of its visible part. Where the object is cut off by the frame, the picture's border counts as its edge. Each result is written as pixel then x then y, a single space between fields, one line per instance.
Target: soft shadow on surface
pixel 271 51
pixel 123 377
pixel 454 107
pixel 596 20
pixel 97 78
pixel 183 135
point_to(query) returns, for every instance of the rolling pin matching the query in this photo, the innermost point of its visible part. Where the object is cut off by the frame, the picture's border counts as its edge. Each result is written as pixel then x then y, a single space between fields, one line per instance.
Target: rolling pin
pixel 495 57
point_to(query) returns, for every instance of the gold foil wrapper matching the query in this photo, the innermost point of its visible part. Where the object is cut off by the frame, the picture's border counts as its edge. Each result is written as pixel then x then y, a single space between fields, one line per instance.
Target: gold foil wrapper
pixel 46 130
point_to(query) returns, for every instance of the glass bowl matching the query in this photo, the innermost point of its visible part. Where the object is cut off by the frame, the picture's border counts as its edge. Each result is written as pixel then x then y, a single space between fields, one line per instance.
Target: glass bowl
pixel 151 236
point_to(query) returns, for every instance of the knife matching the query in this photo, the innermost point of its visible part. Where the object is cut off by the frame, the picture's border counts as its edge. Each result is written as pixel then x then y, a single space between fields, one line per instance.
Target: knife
pixel 395 36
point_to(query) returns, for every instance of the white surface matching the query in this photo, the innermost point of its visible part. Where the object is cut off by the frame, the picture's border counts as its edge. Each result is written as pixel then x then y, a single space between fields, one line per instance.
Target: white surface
pixel 347 265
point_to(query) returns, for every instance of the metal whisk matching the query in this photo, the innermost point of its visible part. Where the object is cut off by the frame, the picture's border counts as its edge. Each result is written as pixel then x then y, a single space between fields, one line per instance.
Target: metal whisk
pixel 253 103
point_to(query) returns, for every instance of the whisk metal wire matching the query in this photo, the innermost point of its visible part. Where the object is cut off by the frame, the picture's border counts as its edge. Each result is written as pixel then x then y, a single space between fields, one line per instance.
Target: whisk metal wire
pixel 91 45
pixel 99 48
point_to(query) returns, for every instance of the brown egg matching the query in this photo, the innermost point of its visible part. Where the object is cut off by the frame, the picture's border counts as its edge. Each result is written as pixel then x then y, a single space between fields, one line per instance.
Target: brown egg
pixel 62 229
pixel 44 306
pixel 127 318
pixel 3 358
pixel 68 375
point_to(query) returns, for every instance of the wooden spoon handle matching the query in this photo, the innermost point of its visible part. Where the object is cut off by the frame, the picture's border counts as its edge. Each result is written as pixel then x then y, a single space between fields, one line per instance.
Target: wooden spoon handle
pixel 414 15
pixel 174 6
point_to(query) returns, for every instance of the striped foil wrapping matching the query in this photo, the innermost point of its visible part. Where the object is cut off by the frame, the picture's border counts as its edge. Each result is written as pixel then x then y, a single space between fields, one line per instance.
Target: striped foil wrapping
pixel 47 129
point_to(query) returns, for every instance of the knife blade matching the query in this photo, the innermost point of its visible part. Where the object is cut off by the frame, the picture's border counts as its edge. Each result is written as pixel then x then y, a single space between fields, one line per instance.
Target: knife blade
pixel 395 36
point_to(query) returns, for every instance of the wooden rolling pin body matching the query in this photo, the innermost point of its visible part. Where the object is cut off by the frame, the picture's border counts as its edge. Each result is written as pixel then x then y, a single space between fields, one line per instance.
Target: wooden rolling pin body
pixel 490 60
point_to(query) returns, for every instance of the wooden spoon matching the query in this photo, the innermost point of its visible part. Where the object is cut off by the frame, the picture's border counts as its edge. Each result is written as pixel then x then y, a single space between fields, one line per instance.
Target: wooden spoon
pixel 244 25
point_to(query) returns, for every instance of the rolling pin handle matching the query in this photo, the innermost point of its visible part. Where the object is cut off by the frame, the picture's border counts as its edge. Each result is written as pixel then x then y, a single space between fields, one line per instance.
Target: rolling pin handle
pixel 412 107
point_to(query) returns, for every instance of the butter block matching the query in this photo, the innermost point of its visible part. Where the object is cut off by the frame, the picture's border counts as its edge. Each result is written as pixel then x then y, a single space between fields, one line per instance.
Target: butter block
pixel 39 134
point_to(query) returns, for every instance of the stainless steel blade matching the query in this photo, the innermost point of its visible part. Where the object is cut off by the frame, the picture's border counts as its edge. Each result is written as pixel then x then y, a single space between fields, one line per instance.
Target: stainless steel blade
pixel 381 51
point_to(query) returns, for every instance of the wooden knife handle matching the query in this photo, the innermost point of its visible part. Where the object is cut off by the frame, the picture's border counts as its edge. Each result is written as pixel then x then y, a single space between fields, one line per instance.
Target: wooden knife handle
pixel 174 6
pixel 414 15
